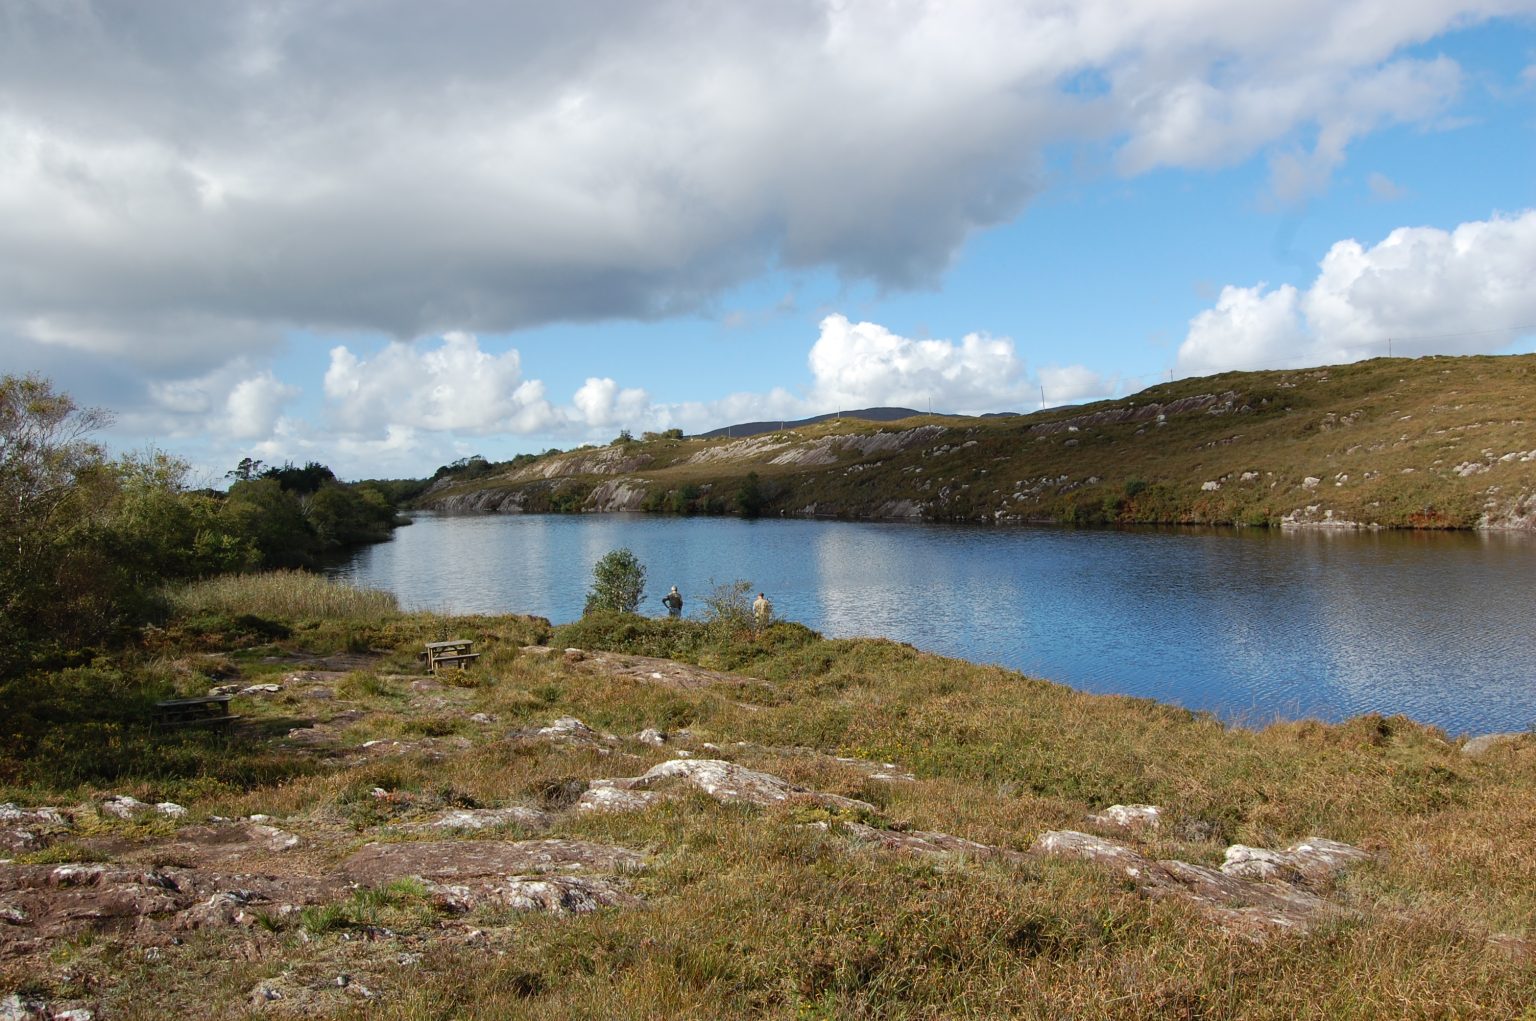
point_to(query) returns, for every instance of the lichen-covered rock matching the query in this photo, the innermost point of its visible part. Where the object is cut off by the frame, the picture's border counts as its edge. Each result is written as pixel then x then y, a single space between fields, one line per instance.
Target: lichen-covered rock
pixel 567 727
pixel 650 670
pixel 125 806
pixel 1129 817
pixel 554 894
pixel 602 796
pixel 486 818
pixel 726 781
pixel 447 860
pixel 1479 747
pixel 919 842
pixel 1266 892
pixel 223 909
pixel 30 829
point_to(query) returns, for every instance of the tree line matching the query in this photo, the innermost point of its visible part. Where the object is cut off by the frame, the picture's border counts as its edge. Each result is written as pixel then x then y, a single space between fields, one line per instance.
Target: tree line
pixel 88 541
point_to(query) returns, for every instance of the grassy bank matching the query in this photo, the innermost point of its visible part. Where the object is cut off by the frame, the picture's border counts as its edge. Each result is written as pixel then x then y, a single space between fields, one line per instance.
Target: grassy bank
pixel 749 910
pixel 1398 443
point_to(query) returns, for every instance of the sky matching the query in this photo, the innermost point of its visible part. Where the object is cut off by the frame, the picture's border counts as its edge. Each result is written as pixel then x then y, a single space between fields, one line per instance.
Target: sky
pixel 386 235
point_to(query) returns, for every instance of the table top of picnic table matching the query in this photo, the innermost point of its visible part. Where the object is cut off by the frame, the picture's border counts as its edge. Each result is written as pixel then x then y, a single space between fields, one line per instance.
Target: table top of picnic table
pixel 452 643
pixel 172 703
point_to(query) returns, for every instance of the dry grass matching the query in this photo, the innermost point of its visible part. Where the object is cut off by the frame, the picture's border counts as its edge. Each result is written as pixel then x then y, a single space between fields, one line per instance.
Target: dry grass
pixel 749 913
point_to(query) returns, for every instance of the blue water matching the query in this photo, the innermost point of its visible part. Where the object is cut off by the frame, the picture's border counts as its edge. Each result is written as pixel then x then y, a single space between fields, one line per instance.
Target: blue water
pixel 1251 625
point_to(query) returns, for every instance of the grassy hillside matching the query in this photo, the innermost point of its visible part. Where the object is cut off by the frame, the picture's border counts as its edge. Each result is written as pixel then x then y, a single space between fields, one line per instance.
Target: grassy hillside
pixel 338 852
pixel 1399 443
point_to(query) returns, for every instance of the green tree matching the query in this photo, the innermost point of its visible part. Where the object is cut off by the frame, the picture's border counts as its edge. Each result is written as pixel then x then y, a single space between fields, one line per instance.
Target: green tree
pixel 750 496
pixel 272 520
pixel 249 468
pixel 618 583
pixel 49 472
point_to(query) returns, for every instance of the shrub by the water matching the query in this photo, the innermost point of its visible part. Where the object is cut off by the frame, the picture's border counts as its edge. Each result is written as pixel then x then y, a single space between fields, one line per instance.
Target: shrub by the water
pixel 618 583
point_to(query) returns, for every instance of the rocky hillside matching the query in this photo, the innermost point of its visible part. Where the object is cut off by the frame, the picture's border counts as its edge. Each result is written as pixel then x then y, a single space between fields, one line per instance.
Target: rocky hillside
pixel 1423 443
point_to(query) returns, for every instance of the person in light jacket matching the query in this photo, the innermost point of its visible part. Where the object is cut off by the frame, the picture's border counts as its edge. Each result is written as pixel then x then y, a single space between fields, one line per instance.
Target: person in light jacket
pixel 762 610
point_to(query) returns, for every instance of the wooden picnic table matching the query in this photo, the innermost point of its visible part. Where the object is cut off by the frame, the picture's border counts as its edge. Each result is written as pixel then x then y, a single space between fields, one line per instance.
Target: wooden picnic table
pixel 207 711
pixel 458 652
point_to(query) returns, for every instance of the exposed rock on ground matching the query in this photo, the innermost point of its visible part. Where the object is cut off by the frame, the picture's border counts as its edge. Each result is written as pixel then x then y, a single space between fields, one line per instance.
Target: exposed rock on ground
pixel 524 875
pixel 42 903
pixel 31 829
pixel 646 669
pixel 458 859
pixel 1257 892
pixel 727 782
pixel 486 818
pixel 919 842
pixel 556 894
pixel 1478 747
pixel 1128 817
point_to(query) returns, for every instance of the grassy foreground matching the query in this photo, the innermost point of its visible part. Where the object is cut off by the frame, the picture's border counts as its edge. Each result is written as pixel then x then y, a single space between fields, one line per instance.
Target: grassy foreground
pixel 747 911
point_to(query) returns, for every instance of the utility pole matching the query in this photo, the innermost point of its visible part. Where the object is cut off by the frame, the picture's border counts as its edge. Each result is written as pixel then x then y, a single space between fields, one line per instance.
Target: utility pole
pixel 1042 396
pixel 1389 347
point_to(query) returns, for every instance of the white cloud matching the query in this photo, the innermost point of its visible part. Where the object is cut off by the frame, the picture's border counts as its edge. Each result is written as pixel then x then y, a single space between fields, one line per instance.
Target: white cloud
pixel 1248 329
pixel 602 402
pixel 1423 289
pixel 190 180
pixel 233 402
pixel 452 386
pixel 255 404
pixel 858 365
pixel 1073 384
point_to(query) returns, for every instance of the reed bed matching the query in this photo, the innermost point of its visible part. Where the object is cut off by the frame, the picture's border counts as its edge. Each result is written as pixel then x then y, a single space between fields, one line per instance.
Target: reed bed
pixel 285 594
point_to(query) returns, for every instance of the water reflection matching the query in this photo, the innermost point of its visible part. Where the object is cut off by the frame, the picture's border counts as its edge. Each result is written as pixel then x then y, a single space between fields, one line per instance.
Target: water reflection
pixel 1251 625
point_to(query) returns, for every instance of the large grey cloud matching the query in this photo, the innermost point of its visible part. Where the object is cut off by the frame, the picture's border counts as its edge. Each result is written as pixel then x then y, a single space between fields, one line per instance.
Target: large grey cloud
pixel 180 182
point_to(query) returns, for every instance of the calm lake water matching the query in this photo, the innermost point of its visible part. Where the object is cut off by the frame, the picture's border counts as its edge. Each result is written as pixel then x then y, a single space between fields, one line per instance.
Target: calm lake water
pixel 1251 625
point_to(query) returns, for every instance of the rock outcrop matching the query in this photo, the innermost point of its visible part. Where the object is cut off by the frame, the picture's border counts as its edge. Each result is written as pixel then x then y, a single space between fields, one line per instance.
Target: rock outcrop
pixel 1257 892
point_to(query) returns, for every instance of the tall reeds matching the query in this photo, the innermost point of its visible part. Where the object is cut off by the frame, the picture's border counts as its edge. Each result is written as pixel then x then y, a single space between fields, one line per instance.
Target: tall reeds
pixel 293 594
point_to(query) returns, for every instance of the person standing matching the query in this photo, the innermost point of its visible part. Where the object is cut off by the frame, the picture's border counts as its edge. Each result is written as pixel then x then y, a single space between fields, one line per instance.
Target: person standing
pixel 762 610
pixel 673 601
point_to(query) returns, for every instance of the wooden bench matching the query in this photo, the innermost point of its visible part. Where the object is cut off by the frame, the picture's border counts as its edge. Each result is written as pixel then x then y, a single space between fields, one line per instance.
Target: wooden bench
pixel 208 711
pixel 456 652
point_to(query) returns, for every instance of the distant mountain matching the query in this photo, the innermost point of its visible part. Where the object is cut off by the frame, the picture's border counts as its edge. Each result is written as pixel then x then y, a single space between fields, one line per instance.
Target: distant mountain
pixel 864 414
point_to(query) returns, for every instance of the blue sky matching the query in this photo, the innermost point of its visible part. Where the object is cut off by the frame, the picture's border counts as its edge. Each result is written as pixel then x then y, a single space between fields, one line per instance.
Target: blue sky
pixel 384 240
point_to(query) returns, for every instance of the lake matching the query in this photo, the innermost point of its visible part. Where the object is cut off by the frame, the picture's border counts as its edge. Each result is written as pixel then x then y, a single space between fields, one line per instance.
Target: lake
pixel 1251 625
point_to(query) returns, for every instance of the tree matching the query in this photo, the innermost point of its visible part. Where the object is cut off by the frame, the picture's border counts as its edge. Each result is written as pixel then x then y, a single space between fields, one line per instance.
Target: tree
pixel 307 479
pixel 272 520
pixel 44 453
pixel 728 607
pixel 249 468
pixel 750 497
pixel 618 583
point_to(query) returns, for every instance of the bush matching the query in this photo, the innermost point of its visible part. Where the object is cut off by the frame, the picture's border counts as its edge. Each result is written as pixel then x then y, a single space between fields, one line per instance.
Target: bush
pixel 728 607
pixel 618 583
